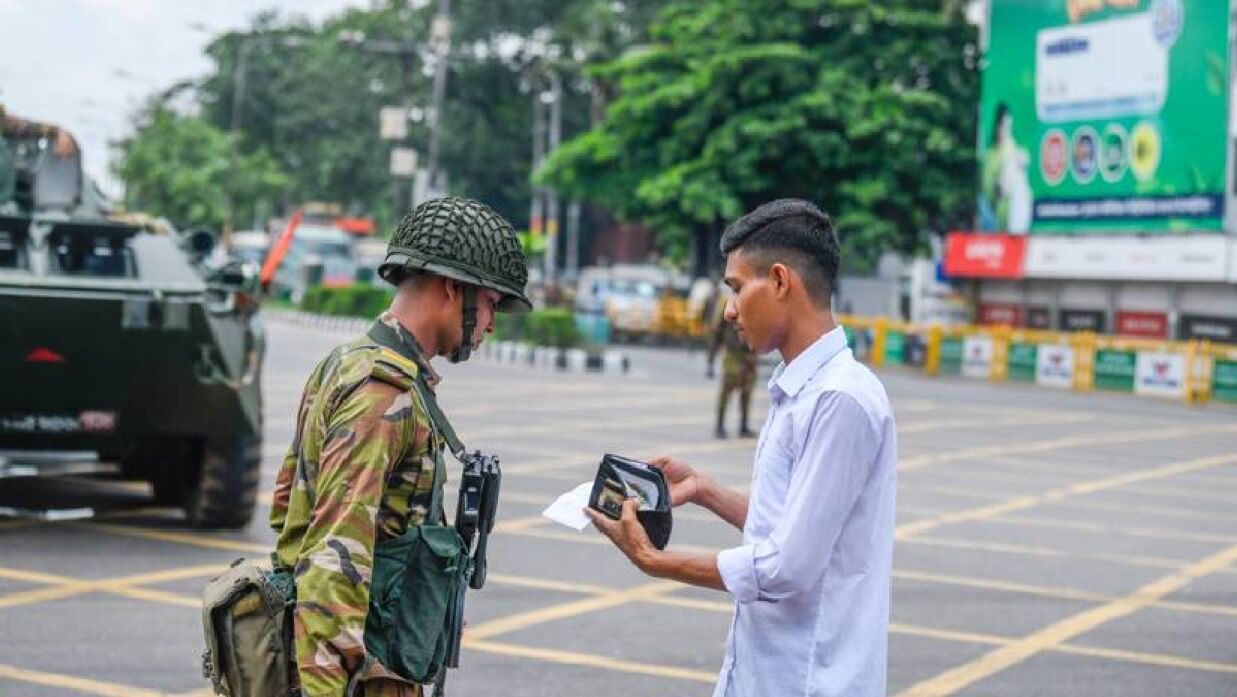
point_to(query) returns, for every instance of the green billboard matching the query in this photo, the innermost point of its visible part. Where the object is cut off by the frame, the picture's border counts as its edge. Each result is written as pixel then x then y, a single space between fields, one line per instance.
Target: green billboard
pixel 1104 115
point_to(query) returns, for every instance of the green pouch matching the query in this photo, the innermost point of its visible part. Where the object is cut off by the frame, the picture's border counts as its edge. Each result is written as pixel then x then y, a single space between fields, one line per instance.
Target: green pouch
pixel 417 583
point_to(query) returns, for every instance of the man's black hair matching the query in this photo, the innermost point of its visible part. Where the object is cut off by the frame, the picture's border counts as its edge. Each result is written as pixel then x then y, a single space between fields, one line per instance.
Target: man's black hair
pixel 793 232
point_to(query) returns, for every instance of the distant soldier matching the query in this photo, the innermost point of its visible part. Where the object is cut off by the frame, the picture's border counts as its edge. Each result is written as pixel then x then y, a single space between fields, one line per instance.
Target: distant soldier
pixel 361 468
pixel 738 371
pixel 14 128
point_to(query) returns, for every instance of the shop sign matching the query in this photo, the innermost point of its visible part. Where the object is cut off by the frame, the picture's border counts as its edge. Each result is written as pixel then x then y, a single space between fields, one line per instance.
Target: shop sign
pixel 1221 330
pixel 1038 318
pixel 1128 258
pixel 1022 361
pixel 977 356
pixel 1007 314
pixel 1055 366
pixel 1160 374
pixel 1149 325
pixel 1224 381
pixel 1082 320
pixel 1114 370
pixel 984 256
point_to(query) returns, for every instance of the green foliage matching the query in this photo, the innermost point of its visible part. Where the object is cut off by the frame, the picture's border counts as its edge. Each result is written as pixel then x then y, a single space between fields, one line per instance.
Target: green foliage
pixel 348 301
pixel 550 327
pixel 179 167
pixel 865 108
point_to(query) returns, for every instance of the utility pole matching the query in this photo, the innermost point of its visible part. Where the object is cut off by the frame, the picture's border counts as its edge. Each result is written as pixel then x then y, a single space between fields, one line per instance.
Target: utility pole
pixel 556 131
pixel 572 269
pixel 440 34
pixel 537 204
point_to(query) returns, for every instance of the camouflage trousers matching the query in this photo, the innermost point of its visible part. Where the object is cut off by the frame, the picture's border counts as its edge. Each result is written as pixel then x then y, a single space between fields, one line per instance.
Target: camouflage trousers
pixel 387 687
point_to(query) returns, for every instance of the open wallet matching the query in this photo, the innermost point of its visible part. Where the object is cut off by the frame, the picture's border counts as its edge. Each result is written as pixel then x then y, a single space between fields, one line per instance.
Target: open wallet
pixel 620 478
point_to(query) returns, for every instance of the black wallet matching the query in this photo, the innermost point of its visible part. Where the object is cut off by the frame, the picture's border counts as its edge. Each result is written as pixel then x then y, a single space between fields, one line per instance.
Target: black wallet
pixel 620 478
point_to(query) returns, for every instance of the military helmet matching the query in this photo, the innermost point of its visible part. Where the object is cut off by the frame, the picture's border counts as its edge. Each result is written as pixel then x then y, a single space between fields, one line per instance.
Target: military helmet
pixel 461 239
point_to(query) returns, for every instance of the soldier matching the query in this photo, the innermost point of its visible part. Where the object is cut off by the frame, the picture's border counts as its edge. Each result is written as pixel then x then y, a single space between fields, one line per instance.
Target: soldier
pixel 12 127
pixel 360 467
pixel 738 371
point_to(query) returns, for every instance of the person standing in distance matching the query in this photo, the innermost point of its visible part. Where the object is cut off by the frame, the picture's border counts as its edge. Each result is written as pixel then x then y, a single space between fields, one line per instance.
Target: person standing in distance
pixel 361 468
pixel 811 581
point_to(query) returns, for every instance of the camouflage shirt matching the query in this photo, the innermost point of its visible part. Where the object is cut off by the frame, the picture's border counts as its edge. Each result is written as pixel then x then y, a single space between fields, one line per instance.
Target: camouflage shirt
pixel 360 470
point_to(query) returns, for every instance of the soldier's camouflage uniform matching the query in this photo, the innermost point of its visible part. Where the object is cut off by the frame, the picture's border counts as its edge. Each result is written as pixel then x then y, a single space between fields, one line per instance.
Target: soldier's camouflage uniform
pixel 738 369
pixel 360 469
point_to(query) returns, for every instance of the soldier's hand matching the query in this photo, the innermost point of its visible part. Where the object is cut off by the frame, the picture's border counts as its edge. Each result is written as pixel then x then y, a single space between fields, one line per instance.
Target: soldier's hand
pixel 683 480
pixel 626 533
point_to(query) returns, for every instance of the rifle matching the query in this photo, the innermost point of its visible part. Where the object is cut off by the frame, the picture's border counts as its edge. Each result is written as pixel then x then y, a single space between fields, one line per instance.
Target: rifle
pixel 475 513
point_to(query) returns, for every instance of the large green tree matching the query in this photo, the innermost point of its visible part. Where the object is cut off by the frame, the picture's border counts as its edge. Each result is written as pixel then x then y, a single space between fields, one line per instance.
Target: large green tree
pixel 866 108
pixel 182 168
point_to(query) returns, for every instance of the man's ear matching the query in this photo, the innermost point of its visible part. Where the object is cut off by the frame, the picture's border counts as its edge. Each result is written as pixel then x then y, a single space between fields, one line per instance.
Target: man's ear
pixel 780 277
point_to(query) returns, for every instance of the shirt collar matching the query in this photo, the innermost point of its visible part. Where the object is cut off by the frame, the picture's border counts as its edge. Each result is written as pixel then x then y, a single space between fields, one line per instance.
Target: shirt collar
pixel 789 378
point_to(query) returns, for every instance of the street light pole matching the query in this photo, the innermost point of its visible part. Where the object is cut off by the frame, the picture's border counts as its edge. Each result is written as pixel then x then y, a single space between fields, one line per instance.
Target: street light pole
pixel 551 198
pixel 537 205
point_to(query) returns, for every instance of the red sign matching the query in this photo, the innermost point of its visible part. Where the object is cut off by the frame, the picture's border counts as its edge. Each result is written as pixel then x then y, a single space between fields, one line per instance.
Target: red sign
pixel 1008 314
pixel 1149 325
pixel 984 256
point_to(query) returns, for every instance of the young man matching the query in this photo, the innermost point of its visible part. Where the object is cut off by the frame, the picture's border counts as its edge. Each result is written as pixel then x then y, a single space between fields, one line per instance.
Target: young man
pixel 361 466
pixel 811 581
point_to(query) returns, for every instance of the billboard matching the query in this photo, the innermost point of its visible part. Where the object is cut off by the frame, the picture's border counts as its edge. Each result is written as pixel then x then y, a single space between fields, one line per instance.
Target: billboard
pixel 1104 115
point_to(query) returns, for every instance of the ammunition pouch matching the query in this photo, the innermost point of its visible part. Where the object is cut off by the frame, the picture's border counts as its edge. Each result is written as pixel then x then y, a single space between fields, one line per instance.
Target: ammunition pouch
pixel 247 619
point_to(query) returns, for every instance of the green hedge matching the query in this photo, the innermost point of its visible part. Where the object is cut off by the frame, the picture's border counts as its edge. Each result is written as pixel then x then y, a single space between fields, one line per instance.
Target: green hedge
pixel 550 327
pixel 349 301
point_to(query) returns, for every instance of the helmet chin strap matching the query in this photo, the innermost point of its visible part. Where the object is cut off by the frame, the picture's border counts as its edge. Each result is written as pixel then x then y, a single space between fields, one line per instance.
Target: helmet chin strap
pixel 469 316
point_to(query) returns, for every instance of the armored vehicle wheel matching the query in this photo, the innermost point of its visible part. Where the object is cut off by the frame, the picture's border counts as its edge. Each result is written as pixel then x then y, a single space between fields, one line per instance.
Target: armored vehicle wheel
pixel 226 491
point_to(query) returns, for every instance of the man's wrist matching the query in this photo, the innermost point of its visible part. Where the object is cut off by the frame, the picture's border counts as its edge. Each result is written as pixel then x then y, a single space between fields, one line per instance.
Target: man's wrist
pixel 648 560
pixel 706 492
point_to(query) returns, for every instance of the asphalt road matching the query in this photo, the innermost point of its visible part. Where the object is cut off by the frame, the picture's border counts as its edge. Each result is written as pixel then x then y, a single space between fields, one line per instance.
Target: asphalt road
pixel 1049 543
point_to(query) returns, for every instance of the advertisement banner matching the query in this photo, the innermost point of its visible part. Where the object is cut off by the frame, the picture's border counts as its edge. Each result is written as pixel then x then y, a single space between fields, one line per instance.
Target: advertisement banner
pixel 1104 116
pixel 1128 258
pixel 1022 361
pixel 951 356
pixel 984 256
pixel 1222 330
pixel 1007 314
pixel 895 347
pixel 1160 374
pixel 1114 370
pixel 1224 381
pixel 977 356
pixel 1055 367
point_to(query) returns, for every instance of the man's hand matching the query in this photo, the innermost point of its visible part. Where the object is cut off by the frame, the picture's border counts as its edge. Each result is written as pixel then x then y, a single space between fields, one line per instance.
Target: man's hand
pixel 685 483
pixel 626 533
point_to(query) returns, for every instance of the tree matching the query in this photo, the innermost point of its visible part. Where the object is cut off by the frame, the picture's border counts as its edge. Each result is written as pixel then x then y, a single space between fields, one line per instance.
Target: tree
pixel 864 108
pixel 178 167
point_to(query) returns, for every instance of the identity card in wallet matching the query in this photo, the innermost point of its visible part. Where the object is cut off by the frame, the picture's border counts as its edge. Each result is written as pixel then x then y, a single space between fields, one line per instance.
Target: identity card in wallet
pixel 620 478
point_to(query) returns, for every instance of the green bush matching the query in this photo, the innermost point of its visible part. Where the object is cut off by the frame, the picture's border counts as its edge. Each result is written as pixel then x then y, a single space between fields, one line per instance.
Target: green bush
pixel 552 327
pixel 348 301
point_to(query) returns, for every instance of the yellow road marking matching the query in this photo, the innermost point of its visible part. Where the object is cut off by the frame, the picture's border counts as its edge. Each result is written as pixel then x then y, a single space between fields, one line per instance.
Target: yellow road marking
pixel 1149 533
pixel 956 679
pixel 1058 593
pixel 1023 502
pixel 547 584
pixel 1034 551
pixel 522 620
pixel 194 540
pixel 64 586
pixel 589 660
pixel 1137 436
pixel 1154 510
pixel 972 422
pixel 69 682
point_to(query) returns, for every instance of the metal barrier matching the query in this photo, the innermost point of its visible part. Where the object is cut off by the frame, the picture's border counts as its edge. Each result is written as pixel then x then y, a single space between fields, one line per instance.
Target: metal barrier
pixel 1193 371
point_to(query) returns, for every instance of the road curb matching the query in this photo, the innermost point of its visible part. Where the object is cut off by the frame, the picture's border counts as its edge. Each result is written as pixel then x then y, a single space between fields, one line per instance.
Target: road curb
pixel 601 361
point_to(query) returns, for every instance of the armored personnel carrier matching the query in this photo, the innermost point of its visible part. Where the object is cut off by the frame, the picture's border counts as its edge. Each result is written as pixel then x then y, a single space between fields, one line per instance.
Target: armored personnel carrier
pixel 125 347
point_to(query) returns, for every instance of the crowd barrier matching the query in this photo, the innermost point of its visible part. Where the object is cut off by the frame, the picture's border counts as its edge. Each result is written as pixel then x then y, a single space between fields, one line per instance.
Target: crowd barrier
pixel 1192 371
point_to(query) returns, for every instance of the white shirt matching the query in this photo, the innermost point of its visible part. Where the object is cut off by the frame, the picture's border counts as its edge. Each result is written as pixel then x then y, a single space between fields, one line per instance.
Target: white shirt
pixel 811 582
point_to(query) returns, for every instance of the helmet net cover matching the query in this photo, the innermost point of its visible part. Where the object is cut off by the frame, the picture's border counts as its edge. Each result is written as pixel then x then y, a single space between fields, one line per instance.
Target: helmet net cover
pixel 462 239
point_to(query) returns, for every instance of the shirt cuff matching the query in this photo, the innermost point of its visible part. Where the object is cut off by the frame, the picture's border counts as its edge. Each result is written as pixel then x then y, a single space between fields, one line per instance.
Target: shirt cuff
pixel 737 567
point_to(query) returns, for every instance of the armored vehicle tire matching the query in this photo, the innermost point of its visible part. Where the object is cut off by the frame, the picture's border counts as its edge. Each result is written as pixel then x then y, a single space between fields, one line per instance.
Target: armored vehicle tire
pixel 226 490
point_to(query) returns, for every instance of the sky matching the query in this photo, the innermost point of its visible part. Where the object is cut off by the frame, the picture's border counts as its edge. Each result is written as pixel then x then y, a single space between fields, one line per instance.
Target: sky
pixel 89 64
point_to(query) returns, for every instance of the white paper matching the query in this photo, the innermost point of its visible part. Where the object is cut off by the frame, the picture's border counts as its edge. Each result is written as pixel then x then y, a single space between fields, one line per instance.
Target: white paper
pixel 568 509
